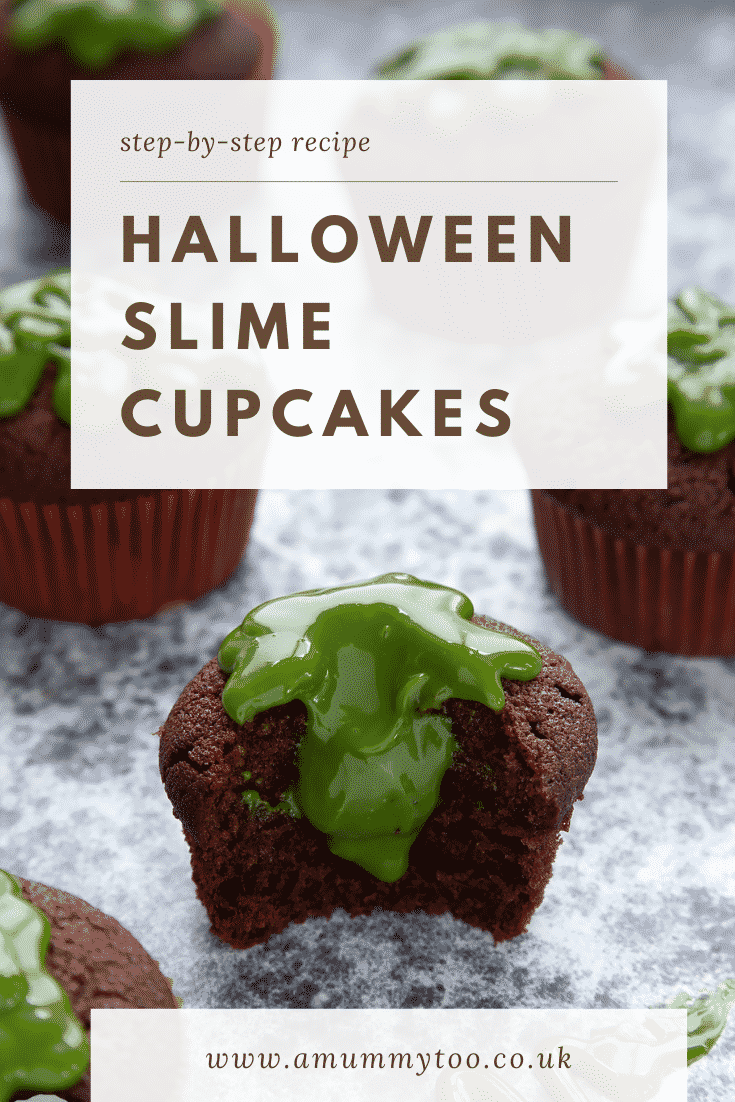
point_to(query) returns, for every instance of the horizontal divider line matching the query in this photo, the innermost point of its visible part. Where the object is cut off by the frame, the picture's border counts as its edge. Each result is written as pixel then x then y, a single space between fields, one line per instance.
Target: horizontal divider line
pixel 369 181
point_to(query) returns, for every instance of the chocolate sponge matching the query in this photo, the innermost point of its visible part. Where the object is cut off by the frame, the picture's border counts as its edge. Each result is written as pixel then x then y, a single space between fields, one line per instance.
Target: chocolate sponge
pixel 695 513
pixel 97 962
pixel 485 855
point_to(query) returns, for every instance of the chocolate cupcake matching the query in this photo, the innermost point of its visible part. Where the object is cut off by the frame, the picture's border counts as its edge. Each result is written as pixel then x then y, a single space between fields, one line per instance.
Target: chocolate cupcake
pixel 60 959
pixel 656 568
pixel 91 556
pixel 414 129
pixel 44 46
pixel 501 51
pixel 357 748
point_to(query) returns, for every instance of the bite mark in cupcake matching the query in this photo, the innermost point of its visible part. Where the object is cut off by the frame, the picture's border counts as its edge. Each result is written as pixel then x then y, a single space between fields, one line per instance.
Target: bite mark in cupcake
pixel 453 800
pixel 373 664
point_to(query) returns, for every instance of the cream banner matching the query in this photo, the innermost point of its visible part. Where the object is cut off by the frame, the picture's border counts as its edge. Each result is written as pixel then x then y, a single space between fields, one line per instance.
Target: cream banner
pixel 389 1055
pixel 369 283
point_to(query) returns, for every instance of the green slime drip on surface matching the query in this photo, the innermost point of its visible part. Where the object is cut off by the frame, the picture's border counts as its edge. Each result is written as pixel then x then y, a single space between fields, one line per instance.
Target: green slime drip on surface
pixel 372 663
pixel 706 1017
pixel 35 328
pixel 94 32
pixel 42 1044
pixel 497 51
pixel 701 387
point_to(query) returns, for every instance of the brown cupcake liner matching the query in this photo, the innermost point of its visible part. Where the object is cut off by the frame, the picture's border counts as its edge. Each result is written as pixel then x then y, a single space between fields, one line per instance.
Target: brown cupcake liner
pixel 120 560
pixel 659 598
pixel 44 157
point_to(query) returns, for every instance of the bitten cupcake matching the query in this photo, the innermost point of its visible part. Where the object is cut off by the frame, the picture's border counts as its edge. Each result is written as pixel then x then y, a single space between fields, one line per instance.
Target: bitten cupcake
pixel 375 746
pixel 91 556
pixel 656 568
pixel 501 51
pixel 45 45
pixel 59 958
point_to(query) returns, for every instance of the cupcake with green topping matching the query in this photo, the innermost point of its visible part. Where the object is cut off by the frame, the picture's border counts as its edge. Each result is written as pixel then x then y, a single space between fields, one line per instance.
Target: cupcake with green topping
pixel 376 746
pixel 60 958
pixel 42 1043
pixel 501 51
pixel 45 44
pixel 414 129
pixel 91 556
pixel 656 568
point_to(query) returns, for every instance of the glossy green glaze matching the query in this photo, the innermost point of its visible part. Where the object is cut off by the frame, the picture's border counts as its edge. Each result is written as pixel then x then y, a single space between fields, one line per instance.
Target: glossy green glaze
pixel 706 1017
pixel 42 1045
pixel 497 51
pixel 701 349
pixel 35 328
pixel 372 663
pixel 95 32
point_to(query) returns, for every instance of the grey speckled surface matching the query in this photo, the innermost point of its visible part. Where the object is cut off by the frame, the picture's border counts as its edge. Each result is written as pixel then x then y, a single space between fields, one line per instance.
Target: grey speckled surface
pixel 642 903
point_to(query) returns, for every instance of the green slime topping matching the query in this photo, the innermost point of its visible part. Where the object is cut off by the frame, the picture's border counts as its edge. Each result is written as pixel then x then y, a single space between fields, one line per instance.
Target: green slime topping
pixel 42 1045
pixel 35 328
pixel 255 803
pixel 497 51
pixel 701 349
pixel 372 663
pixel 96 31
pixel 706 1018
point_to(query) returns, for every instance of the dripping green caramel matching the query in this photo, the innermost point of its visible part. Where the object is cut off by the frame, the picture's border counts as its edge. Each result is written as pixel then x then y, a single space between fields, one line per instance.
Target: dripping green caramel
pixel 372 663
pixel 42 1045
